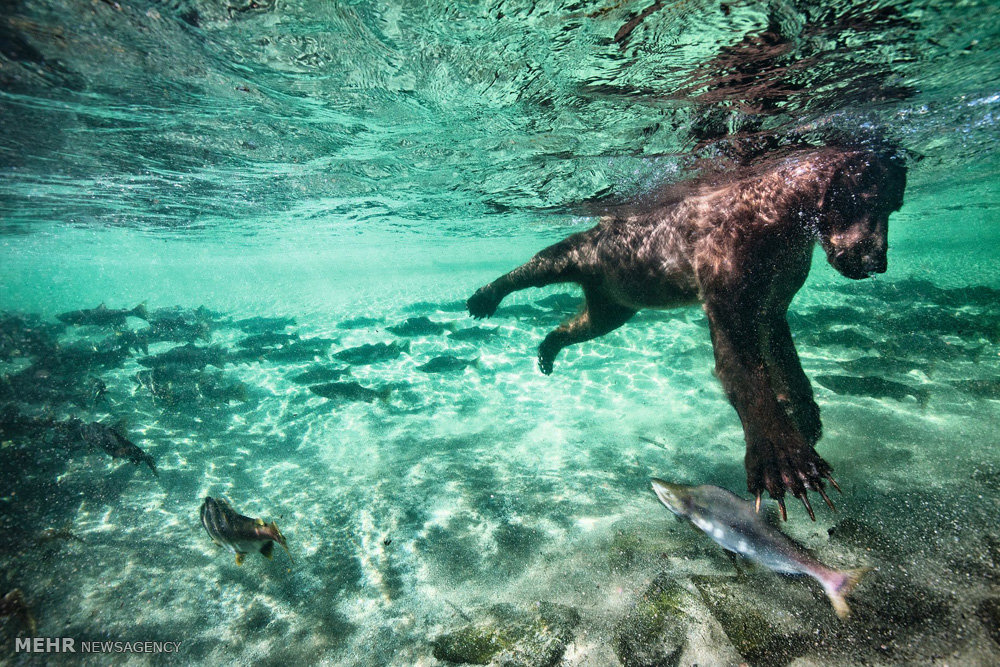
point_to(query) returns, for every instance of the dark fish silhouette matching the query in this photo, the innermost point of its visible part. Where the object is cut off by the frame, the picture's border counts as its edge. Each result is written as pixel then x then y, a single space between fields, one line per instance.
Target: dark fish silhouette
pixel 237 533
pixel 264 324
pixel 26 336
pixel 172 385
pixel 305 349
pixel 103 316
pixel 175 385
pixel 873 387
pixel 419 326
pixel 360 323
pixel 372 354
pixel 112 439
pixel 81 357
pixel 320 374
pixel 522 310
pixel 268 339
pixel 734 525
pixel 872 365
pixel 849 337
pixel 180 325
pixel 563 301
pixel 981 388
pixel 474 334
pixel 126 340
pixel 350 391
pixel 447 364
pixel 219 389
pixel 188 356
pixel 54 534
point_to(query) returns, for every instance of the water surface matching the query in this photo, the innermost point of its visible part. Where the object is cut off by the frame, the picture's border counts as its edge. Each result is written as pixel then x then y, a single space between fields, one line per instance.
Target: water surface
pixel 350 165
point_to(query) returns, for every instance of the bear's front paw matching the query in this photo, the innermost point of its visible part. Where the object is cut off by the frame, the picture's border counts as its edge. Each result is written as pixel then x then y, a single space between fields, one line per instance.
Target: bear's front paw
pixel 809 422
pixel 805 415
pixel 547 352
pixel 483 303
pixel 792 466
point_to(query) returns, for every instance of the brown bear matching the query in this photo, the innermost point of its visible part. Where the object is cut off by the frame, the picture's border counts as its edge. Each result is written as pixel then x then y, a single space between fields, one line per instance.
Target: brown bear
pixel 741 244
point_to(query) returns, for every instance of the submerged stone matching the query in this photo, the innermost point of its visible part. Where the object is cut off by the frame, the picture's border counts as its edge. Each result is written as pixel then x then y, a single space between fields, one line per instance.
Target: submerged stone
pixel 760 628
pixel 775 620
pixel 503 635
pixel 988 612
pixel 654 631
pixel 623 550
pixel 474 644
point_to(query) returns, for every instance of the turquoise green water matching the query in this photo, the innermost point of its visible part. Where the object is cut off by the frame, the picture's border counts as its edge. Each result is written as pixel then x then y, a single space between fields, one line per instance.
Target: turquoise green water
pixel 329 161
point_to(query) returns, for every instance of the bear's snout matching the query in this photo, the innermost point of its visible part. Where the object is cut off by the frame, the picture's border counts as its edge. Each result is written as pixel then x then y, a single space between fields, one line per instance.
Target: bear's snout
pixel 860 261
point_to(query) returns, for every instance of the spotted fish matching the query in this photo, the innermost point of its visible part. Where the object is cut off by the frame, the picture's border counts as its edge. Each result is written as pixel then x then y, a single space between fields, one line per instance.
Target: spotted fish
pixel 734 525
pixel 240 534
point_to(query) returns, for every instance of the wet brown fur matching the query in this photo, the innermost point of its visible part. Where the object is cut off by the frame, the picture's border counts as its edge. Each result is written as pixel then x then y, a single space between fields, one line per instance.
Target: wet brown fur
pixel 741 244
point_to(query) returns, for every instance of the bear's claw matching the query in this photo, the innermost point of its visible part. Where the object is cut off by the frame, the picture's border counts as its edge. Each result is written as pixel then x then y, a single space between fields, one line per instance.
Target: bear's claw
pixel 797 471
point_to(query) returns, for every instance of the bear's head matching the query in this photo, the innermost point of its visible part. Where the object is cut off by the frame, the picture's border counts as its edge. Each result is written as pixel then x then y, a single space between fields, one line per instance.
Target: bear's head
pixel 859 191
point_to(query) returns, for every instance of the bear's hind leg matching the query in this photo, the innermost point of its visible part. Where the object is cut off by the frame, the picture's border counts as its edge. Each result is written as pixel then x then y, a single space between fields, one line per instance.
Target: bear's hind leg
pixel 600 316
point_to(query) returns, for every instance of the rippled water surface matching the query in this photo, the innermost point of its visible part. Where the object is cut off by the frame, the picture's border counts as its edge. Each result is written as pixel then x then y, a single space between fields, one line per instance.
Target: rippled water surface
pixel 279 183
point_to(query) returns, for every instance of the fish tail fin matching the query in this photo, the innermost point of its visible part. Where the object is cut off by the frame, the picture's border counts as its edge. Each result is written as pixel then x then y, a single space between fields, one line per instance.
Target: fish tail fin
pixel 839 585
pixel 140 311
pixel 280 539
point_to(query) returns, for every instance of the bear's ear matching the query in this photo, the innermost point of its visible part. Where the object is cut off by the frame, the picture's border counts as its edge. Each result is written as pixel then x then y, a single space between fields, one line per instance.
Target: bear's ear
pixel 825 177
pixel 843 173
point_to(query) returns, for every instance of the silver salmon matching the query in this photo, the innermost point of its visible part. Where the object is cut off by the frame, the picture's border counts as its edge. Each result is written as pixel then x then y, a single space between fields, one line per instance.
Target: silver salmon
pixel 734 525
pixel 240 534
